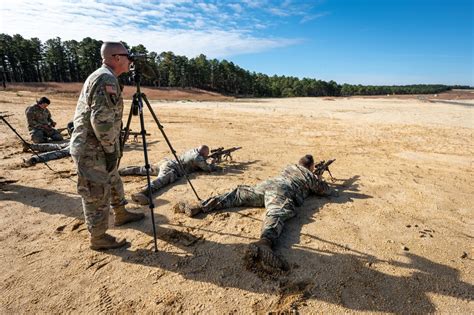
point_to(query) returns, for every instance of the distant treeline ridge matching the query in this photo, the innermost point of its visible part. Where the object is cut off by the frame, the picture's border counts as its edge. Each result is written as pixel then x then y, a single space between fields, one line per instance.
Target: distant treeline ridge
pixel 30 60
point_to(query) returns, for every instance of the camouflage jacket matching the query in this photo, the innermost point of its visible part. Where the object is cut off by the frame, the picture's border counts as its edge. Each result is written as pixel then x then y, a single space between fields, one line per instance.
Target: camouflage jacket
pixel 192 161
pixel 98 115
pixel 38 118
pixel 295 182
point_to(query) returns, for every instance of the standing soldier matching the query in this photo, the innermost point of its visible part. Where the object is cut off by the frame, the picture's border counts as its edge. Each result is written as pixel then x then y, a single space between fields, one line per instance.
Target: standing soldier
pixel 40 124
pixel 95 147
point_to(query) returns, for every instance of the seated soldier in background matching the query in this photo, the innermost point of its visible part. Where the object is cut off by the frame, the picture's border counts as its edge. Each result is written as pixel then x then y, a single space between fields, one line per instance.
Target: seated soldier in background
pixel 168 171
pixel 40 124
pixel 279 195
pixel 47 151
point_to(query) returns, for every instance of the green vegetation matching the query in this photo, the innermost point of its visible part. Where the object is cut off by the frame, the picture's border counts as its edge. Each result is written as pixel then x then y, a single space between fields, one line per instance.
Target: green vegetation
pixel 29 60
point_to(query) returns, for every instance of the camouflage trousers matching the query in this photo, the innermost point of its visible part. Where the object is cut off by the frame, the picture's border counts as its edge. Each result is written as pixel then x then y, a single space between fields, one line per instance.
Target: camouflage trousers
pixel 99 190
pixel 49 156
pixel 138 170
pixel 278 204
pixel 42 135
pixel 47 147
pixel 166 174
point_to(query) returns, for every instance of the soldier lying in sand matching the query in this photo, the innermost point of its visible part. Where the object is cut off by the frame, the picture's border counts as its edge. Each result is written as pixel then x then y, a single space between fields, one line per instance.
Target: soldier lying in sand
pixel 169 171
pixel 279 195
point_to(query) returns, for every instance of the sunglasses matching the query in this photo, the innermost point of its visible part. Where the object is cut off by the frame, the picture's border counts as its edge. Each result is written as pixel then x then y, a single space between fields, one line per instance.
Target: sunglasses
pixel 126 55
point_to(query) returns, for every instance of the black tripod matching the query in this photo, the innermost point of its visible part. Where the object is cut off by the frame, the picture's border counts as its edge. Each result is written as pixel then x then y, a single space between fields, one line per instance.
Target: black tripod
pixel 137 109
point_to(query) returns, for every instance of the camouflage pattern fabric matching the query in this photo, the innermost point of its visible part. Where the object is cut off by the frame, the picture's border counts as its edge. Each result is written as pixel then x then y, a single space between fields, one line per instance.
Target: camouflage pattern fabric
pixel 139 170
pixel 49 156
pixel 280 196
pixel 40 124
pixel 47 147
pixel 168 171
pixel 97 123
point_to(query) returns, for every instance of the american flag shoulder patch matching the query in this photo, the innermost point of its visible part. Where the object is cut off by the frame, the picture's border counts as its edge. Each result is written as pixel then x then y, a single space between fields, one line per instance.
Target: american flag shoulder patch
pixel 111 89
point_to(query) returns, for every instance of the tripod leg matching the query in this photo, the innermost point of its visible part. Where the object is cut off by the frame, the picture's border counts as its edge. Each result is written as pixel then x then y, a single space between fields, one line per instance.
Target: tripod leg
pixel 147 167
pixel 127 129
pixel 169 144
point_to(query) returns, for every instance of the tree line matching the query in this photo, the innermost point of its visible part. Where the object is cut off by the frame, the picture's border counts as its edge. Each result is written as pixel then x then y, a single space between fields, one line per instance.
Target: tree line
pixel 30 60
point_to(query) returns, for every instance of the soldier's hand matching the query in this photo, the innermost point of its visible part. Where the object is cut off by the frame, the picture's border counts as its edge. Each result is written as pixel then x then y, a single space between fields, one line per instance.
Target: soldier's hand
pixel 110 161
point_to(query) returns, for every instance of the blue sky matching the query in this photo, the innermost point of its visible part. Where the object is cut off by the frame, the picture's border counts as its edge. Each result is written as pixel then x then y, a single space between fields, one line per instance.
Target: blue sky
pixel 353 41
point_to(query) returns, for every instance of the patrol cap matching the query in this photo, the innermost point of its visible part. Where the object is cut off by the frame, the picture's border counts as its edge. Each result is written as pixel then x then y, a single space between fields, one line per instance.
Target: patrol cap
pixel 44 100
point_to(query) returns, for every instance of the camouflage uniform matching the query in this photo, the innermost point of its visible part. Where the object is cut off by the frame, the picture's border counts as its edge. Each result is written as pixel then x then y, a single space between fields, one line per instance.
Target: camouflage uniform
pixel 40 124
pixel 280 196
pixel 50 151
pixel 45 147
pixel 169 171
pixel 97 123
pixel 48 156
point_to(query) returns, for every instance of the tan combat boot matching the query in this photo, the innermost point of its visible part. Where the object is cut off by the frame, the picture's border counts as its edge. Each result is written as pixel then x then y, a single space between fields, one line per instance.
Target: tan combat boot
pixel 141 197
pixel 122 216
pixel 262 250
pixel 190 209
pixel 28 162
pixel 106 241
pixel 26 148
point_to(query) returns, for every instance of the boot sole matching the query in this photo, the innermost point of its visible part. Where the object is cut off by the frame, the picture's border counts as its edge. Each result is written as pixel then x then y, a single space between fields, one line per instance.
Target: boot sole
pixel 103 247
pixel 130 221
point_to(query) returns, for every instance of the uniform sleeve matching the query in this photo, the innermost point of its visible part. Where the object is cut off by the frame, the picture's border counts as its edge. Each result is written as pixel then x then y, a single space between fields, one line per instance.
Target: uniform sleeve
pixel 103 112
pixel 31 117
pixel 50 119
pixel 320 187
pixel 201 162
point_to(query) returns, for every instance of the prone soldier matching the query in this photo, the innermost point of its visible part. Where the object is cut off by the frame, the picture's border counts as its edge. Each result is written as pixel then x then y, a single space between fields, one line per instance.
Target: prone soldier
pixel 48 152
pixel 168 171
pixel 279 195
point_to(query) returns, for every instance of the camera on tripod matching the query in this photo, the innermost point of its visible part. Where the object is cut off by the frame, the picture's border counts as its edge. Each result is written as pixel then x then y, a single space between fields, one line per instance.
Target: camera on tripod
pixel 137 57
pixel 139 63
pixel 140 67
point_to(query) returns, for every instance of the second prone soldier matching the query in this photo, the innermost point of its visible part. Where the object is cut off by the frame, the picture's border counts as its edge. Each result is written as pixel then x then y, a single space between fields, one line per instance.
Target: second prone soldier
pixel 168 171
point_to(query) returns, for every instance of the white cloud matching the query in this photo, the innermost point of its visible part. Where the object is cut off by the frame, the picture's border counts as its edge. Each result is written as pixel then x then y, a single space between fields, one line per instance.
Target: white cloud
pixel 307 18
pixel 182 26
pixel 236 7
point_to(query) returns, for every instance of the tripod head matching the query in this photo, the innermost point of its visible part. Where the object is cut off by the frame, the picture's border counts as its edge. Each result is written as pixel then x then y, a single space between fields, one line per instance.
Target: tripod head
pixel 140 66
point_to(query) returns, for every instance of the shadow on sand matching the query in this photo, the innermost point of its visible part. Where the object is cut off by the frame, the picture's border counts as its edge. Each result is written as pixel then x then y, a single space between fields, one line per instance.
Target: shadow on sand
pixel 345 277
pixel 348 278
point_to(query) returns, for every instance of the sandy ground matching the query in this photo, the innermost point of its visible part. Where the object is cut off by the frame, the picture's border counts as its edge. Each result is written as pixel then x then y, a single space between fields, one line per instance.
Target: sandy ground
pixel 398 238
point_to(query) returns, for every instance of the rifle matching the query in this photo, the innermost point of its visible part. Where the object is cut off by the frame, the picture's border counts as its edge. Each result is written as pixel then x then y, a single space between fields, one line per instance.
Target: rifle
pixel 219 153
pixel 321 167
